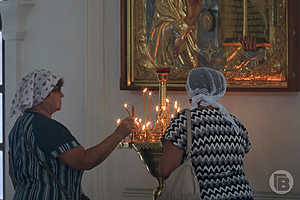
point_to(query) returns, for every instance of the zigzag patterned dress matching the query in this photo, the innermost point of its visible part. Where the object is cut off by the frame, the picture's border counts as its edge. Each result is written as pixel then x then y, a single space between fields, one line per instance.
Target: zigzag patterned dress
pixel 217 153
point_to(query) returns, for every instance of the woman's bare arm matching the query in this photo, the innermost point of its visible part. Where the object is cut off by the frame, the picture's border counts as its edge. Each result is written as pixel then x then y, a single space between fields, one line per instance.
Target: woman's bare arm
pixel 80 158
pixel 171 158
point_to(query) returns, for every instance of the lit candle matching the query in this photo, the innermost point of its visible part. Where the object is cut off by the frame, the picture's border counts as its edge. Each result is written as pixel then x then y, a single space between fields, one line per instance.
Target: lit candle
pixel 144 129
pixel 150 108
pixel 133 117
pixel 137 123
pixel 118 121
pixel 144 98
pixel 168 104
pixel 126 108
pixel 175 106
pixel 155 124
pixel 147 125
pixel 140 122
pixel 133 112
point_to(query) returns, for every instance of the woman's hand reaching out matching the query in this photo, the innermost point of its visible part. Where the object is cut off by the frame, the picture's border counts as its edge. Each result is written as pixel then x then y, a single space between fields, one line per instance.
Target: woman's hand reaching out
pixel 126 127
pixel 80 158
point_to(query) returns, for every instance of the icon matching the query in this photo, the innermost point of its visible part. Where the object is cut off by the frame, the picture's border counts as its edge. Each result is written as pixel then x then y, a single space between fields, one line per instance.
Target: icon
pixel 281 182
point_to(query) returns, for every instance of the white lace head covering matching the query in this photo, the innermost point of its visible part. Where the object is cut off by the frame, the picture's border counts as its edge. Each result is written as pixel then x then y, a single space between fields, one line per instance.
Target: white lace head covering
pixel 32 90
pixel 206 86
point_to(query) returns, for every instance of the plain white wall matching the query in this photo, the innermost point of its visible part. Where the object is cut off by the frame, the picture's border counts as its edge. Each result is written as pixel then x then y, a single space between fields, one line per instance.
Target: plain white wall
pixel 86 51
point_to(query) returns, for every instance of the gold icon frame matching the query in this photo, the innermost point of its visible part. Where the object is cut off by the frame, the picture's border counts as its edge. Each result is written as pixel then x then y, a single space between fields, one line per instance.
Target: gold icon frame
pixel 136 74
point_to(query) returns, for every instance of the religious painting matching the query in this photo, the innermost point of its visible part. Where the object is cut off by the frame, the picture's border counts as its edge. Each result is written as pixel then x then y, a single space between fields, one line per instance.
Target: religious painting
pixel 247 40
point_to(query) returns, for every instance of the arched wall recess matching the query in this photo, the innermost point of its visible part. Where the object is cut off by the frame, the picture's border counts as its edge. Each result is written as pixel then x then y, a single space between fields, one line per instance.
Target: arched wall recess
pixel 14 15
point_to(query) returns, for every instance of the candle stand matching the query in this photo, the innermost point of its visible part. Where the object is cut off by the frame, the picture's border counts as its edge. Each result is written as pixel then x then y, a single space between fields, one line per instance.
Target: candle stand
pixel 146 141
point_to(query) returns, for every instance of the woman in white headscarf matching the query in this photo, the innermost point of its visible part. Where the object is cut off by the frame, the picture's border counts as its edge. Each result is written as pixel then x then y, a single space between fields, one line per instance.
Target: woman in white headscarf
pixel 45 159
pixel 219 140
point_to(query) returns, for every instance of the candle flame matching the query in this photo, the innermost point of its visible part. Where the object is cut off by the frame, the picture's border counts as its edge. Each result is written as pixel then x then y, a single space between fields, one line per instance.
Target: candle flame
pixel 164 108
pixel 172 116
pixel 145 90
pixel 143 127
pixel 140 120
pixel 178 109
pixel 167 100
pixel 156 108
pixel 125 105
pixel 118 121
pixel 150 93
pixel 148 123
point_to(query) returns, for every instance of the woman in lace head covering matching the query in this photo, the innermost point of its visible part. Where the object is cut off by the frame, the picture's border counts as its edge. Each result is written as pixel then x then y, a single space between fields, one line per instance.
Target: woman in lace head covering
pixel 45 160
pixel 219 140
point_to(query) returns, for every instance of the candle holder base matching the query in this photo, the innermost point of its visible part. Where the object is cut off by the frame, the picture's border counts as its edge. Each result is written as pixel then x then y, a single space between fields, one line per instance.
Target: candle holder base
pixel 150 153
pixel 157 191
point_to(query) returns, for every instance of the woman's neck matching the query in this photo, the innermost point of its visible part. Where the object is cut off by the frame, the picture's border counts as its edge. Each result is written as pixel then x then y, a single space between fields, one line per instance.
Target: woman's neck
pixel 40 109
pixel 208 107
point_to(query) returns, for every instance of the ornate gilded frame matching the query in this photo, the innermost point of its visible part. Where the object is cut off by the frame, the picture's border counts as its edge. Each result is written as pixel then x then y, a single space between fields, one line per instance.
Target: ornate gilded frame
pixel 284 40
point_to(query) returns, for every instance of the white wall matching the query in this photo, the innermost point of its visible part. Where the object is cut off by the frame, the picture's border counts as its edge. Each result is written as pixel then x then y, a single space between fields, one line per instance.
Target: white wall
pixel 81 41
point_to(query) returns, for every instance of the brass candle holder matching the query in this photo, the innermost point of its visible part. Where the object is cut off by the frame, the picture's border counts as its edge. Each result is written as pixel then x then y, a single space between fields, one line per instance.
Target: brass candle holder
pixel 146 141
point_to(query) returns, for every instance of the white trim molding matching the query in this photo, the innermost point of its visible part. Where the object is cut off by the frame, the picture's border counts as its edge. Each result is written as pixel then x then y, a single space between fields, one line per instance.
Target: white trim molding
pixel 95 92
pixel 146 194
pixel 14 15
pixel 137 193
pixel 273 196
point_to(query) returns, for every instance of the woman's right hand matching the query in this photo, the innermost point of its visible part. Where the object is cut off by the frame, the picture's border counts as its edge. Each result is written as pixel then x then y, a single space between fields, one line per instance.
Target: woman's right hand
pixel 194 8
pixel 126 127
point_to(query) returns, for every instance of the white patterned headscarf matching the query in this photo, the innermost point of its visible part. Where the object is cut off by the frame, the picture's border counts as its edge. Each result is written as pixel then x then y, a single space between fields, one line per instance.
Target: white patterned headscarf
pixel 206 86
pixel 32 90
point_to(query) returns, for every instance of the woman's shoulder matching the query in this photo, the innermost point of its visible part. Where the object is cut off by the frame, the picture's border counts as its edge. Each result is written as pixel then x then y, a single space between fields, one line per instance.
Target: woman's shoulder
pixel 237 121
pixel 205 111
pixel 44 123
pixel 200 112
